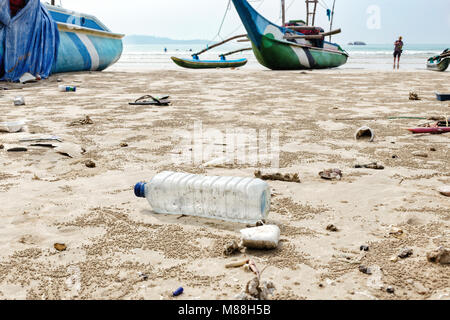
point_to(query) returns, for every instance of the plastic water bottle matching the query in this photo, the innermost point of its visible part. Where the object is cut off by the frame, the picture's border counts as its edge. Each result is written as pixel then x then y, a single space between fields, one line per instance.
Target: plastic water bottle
pixel 67 88
pixel 236 199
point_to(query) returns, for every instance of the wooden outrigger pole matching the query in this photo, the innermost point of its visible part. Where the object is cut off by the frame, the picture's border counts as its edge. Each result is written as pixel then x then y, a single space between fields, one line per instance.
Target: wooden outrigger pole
pixel 235 51
pixel 218 44
pixel 316 36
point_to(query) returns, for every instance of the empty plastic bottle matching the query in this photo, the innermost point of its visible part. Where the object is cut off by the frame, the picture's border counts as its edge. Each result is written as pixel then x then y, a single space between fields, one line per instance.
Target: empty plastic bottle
pixel 245 200
pixel 63 88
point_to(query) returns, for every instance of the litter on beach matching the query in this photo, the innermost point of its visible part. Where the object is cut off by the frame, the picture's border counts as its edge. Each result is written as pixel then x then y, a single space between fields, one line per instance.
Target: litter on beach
pixel 365 133
pixel 149 100
pixel 12 127
pixel 443 96
pixel 28 78
pixel 41 139
pixel 19 101
pixel 264 237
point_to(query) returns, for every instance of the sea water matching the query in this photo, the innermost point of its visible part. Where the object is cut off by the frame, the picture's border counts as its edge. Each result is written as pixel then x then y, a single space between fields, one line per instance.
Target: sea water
pixel 369 57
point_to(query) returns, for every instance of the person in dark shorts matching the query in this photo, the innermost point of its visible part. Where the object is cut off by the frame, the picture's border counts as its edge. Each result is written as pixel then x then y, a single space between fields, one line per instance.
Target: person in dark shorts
pixel 398 51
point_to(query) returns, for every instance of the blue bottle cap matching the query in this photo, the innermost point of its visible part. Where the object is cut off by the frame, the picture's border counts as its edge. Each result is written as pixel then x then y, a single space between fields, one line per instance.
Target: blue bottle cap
pixel 139 189
pixel 178 292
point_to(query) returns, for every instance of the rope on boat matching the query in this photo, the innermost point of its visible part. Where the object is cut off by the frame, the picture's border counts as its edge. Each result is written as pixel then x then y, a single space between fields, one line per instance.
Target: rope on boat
pixel 223 21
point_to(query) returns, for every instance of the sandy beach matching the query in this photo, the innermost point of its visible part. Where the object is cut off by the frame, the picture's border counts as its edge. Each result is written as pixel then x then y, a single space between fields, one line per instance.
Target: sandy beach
pixel 112 237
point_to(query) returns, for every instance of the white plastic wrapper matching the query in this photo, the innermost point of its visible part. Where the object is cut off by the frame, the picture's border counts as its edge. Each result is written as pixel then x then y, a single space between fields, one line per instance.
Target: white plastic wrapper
pixel 265 237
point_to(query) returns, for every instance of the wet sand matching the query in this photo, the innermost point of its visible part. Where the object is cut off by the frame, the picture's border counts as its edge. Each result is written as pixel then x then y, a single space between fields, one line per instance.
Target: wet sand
pixel 112 236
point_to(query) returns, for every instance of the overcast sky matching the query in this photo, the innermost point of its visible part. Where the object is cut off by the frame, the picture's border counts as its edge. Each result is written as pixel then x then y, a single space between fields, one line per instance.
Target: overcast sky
pixel 373 21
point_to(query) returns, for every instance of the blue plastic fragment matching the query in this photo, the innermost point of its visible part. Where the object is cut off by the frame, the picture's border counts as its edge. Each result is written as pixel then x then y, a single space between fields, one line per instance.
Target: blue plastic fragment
pixel 178 292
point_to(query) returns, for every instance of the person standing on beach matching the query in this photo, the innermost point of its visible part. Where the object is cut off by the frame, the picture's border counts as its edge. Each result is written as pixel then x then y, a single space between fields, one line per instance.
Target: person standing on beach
pixel 398 51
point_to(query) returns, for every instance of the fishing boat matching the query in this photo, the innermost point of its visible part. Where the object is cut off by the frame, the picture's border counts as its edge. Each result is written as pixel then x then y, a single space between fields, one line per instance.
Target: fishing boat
pixel 440 62
pixel 222 62
pixel 86 44
pixel 208 64
pixel 290 46
pixel 42 39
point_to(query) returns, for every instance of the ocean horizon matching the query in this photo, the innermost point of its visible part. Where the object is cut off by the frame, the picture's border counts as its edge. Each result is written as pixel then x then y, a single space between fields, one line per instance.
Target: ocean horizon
pixel 370 56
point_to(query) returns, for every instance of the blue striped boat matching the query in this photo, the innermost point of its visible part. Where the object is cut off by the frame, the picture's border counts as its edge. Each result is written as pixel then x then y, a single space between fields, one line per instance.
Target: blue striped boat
pixel 85 43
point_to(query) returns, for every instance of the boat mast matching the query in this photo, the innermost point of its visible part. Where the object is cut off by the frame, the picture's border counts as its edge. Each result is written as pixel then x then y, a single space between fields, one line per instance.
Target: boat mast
pixel 311 7
pixel 332 18
pixel 283 12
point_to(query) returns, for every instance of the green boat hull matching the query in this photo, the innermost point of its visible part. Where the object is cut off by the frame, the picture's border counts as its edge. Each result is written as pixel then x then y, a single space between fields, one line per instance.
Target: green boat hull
pixel 440 66
pixel 199 64
pixel 278 55
pixel 273 50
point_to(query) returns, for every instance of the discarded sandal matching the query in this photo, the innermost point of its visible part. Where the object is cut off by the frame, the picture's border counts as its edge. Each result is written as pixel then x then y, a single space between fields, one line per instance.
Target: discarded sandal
pixel 144 101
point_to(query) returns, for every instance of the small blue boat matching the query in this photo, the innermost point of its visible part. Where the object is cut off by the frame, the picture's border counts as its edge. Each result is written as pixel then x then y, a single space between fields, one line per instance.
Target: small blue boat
pixel 43 39
pixel 209 64
pixel 85 43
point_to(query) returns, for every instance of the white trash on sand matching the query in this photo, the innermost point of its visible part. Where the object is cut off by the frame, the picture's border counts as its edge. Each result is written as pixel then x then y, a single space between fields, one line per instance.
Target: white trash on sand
pixel 264 237
pixel 12 127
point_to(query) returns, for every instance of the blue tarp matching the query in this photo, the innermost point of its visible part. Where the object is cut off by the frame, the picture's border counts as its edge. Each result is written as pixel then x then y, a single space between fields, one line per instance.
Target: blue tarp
pixel 28 41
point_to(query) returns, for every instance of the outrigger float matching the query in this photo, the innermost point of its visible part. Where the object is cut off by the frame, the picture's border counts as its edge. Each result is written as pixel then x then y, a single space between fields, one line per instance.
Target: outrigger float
pixel 196 63
pixel 293 46
pixel 42 39
pixel 440 62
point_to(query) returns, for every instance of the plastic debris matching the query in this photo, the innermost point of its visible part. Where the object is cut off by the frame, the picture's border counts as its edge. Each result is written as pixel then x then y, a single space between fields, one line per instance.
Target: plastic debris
pixel 365 133
pixel 19 101
pixel 178 292
pixel 28 78
pixel 63 88
pixel 247 199
pixel 264 237
pixel 12 127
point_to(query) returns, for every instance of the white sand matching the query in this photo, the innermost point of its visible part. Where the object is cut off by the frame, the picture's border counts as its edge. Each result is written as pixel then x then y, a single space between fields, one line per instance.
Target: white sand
pixel 112 236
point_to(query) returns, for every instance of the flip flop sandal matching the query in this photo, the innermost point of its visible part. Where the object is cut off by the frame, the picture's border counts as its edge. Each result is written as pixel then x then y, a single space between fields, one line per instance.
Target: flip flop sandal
pixel 144 101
